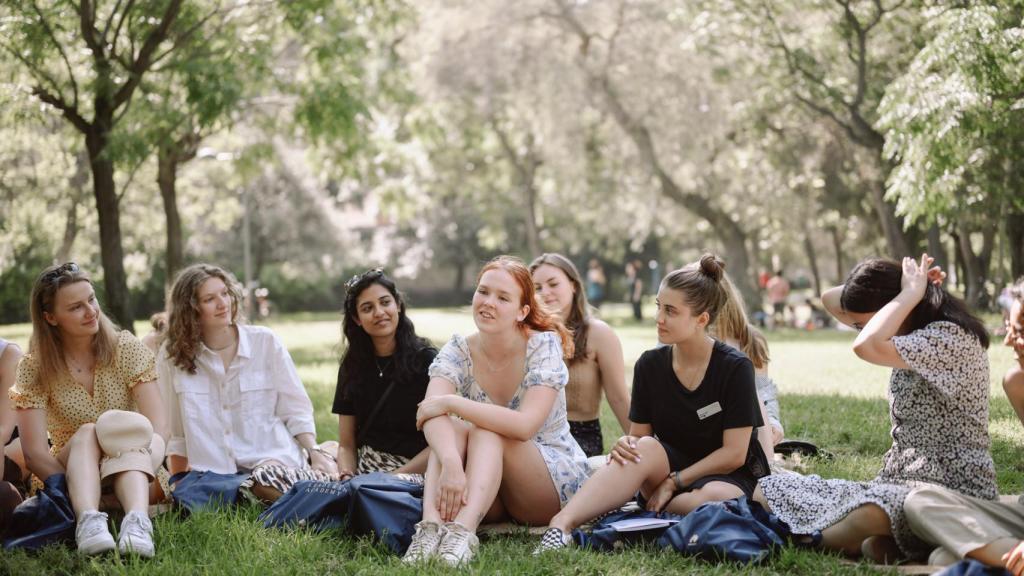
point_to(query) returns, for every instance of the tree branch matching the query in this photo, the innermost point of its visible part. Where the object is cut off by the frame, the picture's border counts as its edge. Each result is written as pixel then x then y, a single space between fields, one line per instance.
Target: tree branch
pixel 39 75
pixel 60 48
pixel 87 23
pixel 143 60
pixel 110 21
pixel 117 31
pixel 69 112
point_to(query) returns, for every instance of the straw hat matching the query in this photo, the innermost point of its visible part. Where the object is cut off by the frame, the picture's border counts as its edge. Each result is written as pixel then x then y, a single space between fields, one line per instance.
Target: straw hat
pixel 128 443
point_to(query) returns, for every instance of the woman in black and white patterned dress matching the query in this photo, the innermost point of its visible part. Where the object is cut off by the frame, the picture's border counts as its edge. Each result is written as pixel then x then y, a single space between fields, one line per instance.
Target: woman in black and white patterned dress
pixel 381 380
pixel 938 403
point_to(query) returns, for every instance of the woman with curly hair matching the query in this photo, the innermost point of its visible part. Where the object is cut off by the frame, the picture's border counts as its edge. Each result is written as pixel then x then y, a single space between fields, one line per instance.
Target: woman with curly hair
pixel 236 401
pixel 381 379
pixel 82 379
pixel 596 365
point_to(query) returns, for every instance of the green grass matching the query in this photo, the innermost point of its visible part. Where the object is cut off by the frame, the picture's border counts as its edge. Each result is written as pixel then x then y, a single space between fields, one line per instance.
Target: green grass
pixel 827 396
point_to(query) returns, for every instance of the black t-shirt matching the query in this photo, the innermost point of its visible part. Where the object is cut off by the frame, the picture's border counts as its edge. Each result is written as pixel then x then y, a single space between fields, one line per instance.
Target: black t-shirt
pixel 693 422
pixel 393 429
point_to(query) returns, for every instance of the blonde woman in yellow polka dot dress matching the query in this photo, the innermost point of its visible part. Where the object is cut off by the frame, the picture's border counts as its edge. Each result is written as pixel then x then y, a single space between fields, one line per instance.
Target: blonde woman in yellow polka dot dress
pixel 79 367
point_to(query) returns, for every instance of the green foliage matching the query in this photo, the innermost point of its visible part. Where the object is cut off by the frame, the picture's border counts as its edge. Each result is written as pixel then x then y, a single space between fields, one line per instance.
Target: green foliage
pixel 955 121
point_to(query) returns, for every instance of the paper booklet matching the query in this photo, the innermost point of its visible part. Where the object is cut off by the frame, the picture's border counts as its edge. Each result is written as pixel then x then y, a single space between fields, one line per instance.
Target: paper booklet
pixel 638 524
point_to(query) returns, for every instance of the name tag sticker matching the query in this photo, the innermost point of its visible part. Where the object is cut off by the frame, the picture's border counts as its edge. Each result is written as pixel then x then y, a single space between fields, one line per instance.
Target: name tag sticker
pixel 709 410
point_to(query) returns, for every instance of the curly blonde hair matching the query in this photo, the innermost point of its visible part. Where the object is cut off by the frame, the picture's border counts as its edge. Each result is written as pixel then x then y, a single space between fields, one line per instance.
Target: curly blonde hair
pixel 183 331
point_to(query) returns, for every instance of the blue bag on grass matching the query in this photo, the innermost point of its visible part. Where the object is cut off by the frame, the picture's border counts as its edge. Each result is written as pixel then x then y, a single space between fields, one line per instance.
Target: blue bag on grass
pixel 309 503
pixel 43 519
pixel 739 530
pixel 194 490
pixel 972 568
pixel 386 506
pixel 603 536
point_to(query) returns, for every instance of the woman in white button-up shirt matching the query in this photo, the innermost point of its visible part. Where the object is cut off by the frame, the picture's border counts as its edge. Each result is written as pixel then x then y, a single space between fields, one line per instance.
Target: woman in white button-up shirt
pixel 236 401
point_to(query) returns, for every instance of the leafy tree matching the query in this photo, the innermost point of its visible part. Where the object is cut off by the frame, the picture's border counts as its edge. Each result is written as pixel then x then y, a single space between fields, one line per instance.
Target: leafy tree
pixel 954 125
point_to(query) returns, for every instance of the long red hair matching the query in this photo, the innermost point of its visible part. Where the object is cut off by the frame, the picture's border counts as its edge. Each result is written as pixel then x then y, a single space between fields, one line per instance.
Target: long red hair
pixel 537 319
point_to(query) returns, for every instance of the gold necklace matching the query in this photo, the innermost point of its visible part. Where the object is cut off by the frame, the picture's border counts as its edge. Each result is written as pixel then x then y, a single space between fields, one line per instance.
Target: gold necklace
pixel 78 368
pixel 380 369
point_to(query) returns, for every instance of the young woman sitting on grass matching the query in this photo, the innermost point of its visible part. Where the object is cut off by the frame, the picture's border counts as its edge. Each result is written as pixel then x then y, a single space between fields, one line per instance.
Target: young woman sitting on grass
pixel 732 327
pixel 694 410
pixel 596 364
pixel 13 472
pixel 938 404
pixel 381 380
pixel 236 402
pixel 78 387
pixel 495 419
pixel 960 526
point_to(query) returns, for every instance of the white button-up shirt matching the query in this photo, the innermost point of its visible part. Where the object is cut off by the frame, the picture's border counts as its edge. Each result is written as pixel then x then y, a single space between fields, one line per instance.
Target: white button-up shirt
pixel 227 420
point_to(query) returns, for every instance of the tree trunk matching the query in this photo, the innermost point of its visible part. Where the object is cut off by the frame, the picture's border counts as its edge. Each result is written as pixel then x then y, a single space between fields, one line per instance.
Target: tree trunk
pixel 167 170
pixel 1015 241
pixel 837 246
pixel 115 282
pixel 973 275
pixel 812 260
pixel 935 248
pixel 892 225
pixel 77 184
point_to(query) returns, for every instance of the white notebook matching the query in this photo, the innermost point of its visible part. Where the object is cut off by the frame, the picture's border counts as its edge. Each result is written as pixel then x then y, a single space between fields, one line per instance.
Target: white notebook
pixel 638 524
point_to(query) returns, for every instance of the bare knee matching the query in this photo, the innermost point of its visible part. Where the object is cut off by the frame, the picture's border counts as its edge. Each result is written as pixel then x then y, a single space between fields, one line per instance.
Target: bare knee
pixel 1013 382
pixel 84 438
pixel 870 517
pixel 479 438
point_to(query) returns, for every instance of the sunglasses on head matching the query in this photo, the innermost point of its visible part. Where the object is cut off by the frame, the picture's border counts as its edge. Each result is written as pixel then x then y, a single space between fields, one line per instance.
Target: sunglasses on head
pixel 371 274
pixel 66 268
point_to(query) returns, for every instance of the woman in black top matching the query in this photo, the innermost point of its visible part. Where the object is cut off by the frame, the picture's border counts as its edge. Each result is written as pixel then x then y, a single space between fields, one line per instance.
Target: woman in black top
pixel 381 380
pixel 693 414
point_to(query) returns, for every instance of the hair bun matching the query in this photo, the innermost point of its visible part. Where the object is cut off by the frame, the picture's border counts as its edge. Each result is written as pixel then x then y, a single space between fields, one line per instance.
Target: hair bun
pixel 712 267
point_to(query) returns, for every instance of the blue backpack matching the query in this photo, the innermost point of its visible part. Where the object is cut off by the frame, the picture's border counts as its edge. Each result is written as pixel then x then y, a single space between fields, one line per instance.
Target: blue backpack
pixel 316 505
pixel 604 537
pixel 738 530
pixel 379 504
pixel 387 507
pixel 195 490
pixel 46 518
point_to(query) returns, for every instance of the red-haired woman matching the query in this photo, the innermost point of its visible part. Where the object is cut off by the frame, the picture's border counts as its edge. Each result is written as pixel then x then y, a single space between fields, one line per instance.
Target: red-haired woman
pixel 509 452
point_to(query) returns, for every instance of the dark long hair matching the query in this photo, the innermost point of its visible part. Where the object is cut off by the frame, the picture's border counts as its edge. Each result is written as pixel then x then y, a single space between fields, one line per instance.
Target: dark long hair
pixel 874 283
pixel 578 321
pixel 359 359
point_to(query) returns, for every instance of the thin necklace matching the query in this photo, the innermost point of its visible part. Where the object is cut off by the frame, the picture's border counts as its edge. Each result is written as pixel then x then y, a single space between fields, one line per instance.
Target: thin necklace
pixel 380 369
pixel 74 364
pixel 491 366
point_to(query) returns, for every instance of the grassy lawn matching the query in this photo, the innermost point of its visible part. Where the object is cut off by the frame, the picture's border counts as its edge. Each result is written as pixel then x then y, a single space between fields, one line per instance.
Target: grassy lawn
pixel 827 396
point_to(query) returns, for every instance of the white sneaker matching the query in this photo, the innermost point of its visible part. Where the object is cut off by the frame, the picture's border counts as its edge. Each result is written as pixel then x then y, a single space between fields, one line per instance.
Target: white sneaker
pixel 424 542
pixel 458 545
pixel 92 534
pixel 553 539
pixel 136 535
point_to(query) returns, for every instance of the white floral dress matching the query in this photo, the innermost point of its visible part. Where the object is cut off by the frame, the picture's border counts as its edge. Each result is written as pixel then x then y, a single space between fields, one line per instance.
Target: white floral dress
pixel 939 413
pixel 566 462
